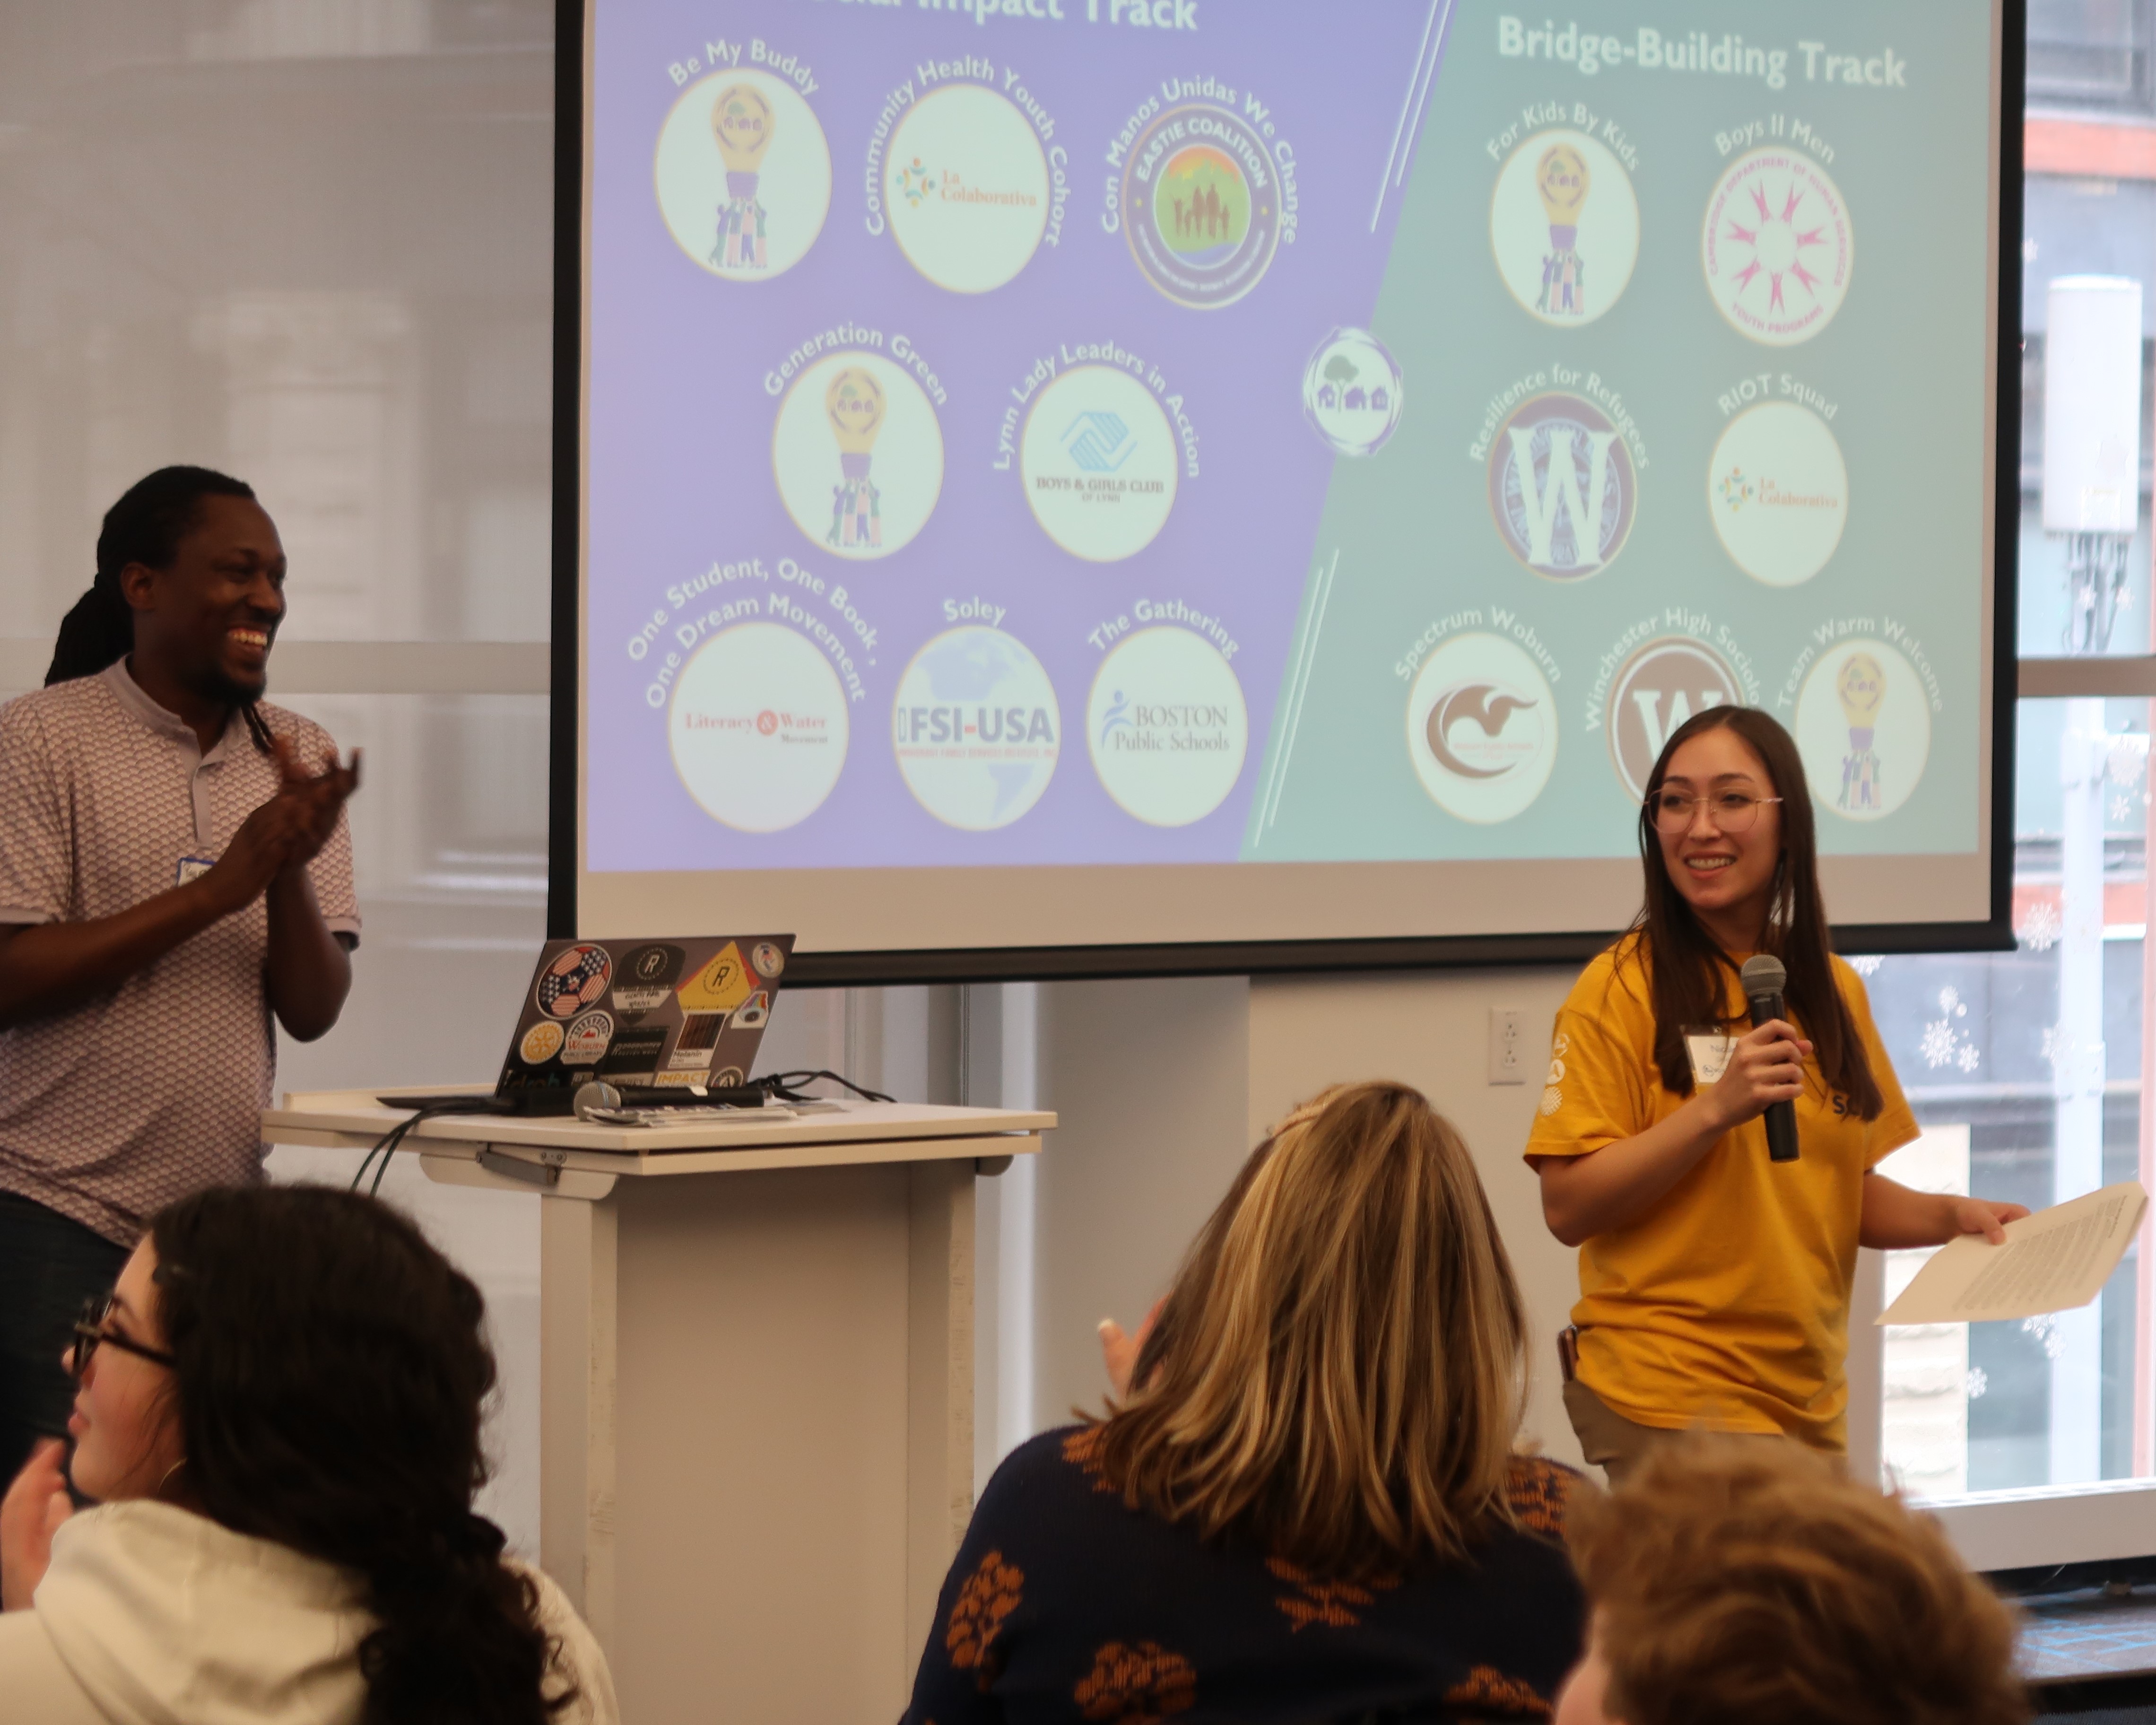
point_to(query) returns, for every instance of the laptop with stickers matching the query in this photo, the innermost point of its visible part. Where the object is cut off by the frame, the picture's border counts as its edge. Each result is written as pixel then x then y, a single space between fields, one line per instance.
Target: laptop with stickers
pixel 659 1020
pixel 682 1014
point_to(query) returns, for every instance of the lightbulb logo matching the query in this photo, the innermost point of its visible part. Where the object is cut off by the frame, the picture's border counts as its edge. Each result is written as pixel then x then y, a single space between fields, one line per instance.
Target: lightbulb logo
pixel 1563 202
pixel 851 412
pixel 749 148
pixel 1864 726
pixel 853 404
pixel 1776 247
pixel 743 122
pixel 1860 686
pixel 1561 178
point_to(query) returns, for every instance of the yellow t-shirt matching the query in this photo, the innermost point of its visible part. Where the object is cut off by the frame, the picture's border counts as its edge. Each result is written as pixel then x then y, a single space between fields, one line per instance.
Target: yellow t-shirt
pixel 1726 1305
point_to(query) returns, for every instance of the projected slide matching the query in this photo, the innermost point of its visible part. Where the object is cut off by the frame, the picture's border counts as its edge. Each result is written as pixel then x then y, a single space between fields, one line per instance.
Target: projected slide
pixel 1029 433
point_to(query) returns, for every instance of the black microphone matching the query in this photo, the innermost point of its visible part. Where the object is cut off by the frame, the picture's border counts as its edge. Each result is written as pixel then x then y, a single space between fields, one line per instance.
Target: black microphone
pixel 1764 978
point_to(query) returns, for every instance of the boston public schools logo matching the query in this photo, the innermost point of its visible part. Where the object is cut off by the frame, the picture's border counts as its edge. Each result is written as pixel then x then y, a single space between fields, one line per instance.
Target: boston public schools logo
pixel 1665 682
pixel 1563 490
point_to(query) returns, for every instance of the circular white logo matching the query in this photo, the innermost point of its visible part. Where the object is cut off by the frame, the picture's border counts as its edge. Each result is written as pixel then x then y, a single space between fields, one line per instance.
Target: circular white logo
pixel 1564 224
pixel 858 455
pixel 1663 683
pixel 1563 488
pixel 1777 247
pixel 976 728
pixel 1167 726
pixel 757 727
pixel 1481 728
pixel 743 175
pixel 1098 461
pixel 1863 728
pixel 1779 492
pixel 1352 392
pixel 966 188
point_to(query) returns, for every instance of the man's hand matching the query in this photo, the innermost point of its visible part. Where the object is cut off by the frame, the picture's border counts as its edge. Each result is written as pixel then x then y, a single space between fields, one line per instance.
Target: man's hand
pixel 30 1514
pixel 319 797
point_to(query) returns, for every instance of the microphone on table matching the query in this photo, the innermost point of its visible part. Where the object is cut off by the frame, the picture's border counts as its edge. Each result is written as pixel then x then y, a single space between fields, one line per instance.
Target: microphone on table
pixel 1764 978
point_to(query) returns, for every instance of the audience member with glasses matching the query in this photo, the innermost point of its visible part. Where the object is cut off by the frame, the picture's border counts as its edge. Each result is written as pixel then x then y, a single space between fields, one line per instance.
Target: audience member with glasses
pixel 1714 1283
pixel 278 1415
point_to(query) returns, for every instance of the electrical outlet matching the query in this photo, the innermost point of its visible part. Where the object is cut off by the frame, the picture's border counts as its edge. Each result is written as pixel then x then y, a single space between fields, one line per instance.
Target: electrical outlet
pixel 1508 1045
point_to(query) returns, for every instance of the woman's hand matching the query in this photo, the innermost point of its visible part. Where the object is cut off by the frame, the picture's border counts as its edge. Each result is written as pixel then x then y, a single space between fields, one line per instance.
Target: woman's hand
pixel 1983 1215
pixel 30 1514
pixel 1119 1352
pixel 1765 1067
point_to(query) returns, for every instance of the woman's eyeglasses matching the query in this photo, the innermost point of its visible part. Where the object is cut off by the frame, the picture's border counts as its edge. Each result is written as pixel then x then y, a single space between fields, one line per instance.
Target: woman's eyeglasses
pixel 91 1333
pixel 1731 811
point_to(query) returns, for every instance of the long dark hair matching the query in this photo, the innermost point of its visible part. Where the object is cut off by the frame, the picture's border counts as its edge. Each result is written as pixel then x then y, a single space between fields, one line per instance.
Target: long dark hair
pixel 1688 972
pixel 330 1367
pixel 145 526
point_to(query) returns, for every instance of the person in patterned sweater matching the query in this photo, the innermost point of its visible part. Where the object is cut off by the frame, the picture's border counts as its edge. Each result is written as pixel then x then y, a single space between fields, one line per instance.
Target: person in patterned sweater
pixel 175 873
pixel 1306 1503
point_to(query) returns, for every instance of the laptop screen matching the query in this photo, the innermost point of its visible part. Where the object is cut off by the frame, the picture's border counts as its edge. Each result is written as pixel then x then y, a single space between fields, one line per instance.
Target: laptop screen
pixel 683 1013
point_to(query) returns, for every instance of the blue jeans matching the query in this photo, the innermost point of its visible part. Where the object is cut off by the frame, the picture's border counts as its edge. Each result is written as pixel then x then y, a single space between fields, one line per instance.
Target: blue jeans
pixel 48 1265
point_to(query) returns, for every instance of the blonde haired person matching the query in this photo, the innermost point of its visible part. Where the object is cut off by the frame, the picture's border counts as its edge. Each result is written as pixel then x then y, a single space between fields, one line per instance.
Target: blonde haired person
pixel 1309 1504
pixel 1738 1584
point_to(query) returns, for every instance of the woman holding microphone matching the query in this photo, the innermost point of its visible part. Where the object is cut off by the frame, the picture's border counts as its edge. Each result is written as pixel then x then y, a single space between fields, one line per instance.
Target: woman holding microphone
pixel 1714 1283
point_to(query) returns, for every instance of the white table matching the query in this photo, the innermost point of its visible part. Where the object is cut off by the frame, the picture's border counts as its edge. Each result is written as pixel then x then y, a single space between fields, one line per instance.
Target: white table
pixel 757 1380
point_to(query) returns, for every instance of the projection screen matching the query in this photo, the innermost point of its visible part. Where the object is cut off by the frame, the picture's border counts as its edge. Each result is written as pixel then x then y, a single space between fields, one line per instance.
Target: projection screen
pixel 1053 486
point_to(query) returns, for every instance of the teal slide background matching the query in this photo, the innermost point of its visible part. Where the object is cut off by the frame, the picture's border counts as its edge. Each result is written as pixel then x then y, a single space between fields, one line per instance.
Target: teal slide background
pixel 1903 359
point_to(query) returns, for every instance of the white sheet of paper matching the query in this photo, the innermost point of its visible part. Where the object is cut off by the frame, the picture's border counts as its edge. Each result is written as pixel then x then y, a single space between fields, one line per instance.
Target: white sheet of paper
pixel 2052 1261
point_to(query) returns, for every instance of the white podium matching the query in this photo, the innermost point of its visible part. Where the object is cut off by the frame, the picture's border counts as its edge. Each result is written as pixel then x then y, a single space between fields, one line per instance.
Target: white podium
pixel 757 1381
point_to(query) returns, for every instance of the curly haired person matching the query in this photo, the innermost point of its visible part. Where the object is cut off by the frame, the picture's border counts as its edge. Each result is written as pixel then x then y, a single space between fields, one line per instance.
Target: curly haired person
pixel 1743 1583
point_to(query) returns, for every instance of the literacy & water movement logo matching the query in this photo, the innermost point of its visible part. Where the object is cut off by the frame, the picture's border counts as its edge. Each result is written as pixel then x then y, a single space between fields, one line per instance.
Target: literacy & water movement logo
pixel 1563 488
pixel 757 727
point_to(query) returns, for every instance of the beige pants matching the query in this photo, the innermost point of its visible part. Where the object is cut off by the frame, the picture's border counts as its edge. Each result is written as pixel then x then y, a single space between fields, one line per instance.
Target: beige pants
pixel 1616 1444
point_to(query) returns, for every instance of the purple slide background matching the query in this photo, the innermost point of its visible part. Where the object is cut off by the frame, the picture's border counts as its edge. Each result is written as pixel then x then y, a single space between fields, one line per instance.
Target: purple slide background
pixel 680 425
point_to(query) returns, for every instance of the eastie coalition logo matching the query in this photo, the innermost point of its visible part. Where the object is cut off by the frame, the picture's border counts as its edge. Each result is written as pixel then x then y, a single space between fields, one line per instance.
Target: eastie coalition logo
pixel 1563 488
pixel 1663 683
pixel 1481 728
pixel 1777 247
pixel 1201 198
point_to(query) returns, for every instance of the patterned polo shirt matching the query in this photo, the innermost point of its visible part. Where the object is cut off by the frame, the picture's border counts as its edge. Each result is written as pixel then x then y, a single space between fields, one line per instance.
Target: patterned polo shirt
pixel 111 1111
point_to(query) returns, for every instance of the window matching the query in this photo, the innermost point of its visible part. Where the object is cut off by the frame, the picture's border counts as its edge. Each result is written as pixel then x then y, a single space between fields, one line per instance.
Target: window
pixel 2089 53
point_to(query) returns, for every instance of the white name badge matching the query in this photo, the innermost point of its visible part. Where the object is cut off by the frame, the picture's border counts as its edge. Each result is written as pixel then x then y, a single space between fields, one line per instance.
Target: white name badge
pixel 193 868
pixel 1710 1051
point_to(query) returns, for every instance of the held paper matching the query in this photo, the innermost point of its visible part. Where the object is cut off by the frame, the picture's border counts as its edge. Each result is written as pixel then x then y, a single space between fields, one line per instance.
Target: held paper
pixel 2052 1261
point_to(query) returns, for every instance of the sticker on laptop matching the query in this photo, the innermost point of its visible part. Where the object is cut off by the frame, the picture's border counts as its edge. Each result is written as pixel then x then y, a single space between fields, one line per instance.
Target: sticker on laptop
pixel 697 1043
pixel 588 1039
pixel 634 1056
pixel 575 980
pixel 720 986
pixel 768 959
pixel 754 1012
pixel 729 1076
pixel 541 1043
pixel 648 976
